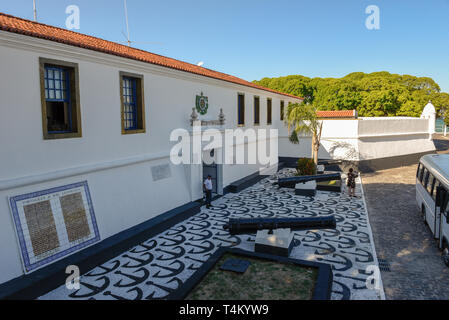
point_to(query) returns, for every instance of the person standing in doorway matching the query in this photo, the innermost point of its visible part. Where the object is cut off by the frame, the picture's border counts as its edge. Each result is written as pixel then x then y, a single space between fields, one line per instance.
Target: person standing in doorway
pixel 207 186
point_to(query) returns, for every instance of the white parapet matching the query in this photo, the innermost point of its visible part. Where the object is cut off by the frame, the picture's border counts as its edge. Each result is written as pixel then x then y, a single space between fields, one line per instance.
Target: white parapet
pixel 367 138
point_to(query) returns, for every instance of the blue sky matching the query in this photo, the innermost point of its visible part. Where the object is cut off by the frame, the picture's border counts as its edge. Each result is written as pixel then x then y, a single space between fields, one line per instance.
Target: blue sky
pixel 253 39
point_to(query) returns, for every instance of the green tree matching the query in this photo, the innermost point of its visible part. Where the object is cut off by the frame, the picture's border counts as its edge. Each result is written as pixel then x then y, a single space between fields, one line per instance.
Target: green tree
pixel 371 94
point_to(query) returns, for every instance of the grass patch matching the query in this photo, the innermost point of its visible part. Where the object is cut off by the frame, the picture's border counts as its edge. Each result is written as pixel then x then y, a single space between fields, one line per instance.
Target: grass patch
pixel 333 185
pixel 263 280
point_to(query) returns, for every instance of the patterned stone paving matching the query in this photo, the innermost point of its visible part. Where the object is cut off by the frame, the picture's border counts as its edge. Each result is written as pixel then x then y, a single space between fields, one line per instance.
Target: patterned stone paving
pixel 161 264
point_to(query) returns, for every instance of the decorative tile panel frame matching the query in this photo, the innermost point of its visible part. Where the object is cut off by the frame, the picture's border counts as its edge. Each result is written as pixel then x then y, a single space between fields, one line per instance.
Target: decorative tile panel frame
pixel 71 219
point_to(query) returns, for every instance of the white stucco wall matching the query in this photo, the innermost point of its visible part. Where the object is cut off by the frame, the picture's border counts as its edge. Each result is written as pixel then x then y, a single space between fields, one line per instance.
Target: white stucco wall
pixel 389 137
pixel 338 140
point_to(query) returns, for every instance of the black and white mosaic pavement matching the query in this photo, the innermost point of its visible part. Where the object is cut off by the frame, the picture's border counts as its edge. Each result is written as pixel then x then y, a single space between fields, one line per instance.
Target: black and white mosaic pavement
pixel 161 264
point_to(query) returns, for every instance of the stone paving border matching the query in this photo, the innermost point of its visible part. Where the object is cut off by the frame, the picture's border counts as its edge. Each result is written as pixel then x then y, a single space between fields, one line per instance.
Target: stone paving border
pixel 382 292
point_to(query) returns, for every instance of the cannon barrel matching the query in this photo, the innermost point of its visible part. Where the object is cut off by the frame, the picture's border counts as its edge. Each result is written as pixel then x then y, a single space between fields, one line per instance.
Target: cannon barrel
pixel 290 182
pixel 251 225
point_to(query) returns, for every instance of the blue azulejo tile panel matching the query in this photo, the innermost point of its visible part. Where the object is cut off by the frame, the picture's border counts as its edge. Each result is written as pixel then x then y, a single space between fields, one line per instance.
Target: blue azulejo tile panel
pixel 53 223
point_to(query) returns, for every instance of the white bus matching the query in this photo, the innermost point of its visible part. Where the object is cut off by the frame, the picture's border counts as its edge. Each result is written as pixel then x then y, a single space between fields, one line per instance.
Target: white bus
pixel 432 195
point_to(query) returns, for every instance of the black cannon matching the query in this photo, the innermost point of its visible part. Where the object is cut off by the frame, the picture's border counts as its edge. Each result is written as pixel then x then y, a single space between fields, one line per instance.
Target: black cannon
pixel 290 182
pixel 251 225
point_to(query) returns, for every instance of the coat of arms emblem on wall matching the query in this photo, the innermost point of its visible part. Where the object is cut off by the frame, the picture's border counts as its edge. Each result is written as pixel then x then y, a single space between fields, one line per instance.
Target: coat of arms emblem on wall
pixel 201 104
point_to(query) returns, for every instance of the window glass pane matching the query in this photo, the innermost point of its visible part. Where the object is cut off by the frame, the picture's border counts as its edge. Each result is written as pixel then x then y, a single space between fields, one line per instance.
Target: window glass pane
pixel 425 177
pixel 430 183
pixel 435 188
pixel 269 111
pixel 256 111
pixel 58 117
pixel 240 109
pixel 58 106
pixel 282 110
pixel 422 174
pixel 129 103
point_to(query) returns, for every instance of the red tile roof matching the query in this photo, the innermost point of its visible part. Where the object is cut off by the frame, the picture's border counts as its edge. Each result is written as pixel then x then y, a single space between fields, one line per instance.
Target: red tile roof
pixel 338 114
pixel 30 28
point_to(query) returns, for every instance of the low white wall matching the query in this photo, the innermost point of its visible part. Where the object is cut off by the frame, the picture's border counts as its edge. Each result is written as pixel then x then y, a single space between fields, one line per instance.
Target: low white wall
pixel 364 139
pixel 390 137
pixel 379 126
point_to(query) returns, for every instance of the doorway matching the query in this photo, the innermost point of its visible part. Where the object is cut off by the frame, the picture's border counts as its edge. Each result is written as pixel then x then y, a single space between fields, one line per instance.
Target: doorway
pixel 211 169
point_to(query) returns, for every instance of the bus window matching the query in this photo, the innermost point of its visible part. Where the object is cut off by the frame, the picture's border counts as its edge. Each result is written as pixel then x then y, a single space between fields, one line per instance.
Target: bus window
pixel 435 188
pixel 425 178
pixel 418 170
pixel 421 173
pixel 431 182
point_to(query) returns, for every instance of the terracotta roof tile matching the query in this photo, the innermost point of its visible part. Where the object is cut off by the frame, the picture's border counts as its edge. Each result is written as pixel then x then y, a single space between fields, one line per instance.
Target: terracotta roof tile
pixel 337 114
pixel 34 29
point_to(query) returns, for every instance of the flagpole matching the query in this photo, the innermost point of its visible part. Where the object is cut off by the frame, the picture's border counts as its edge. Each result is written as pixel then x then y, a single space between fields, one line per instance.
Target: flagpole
pixel 127 26
pixel 34 10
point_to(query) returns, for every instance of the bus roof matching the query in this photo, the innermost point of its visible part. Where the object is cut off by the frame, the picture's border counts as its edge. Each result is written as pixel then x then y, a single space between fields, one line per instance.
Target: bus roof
pixel 438 165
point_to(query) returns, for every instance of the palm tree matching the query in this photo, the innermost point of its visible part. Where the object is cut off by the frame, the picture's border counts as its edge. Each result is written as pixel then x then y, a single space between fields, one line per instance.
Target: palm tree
pixel 303 118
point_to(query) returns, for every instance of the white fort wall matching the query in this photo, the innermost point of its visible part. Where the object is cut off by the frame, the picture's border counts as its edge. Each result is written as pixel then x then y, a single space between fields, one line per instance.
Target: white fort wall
pixel 364 139
pixel 117 167
pixel 391 137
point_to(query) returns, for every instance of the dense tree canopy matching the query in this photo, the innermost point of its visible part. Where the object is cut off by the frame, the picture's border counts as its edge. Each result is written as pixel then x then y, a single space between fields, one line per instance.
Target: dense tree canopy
pixel 373 94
